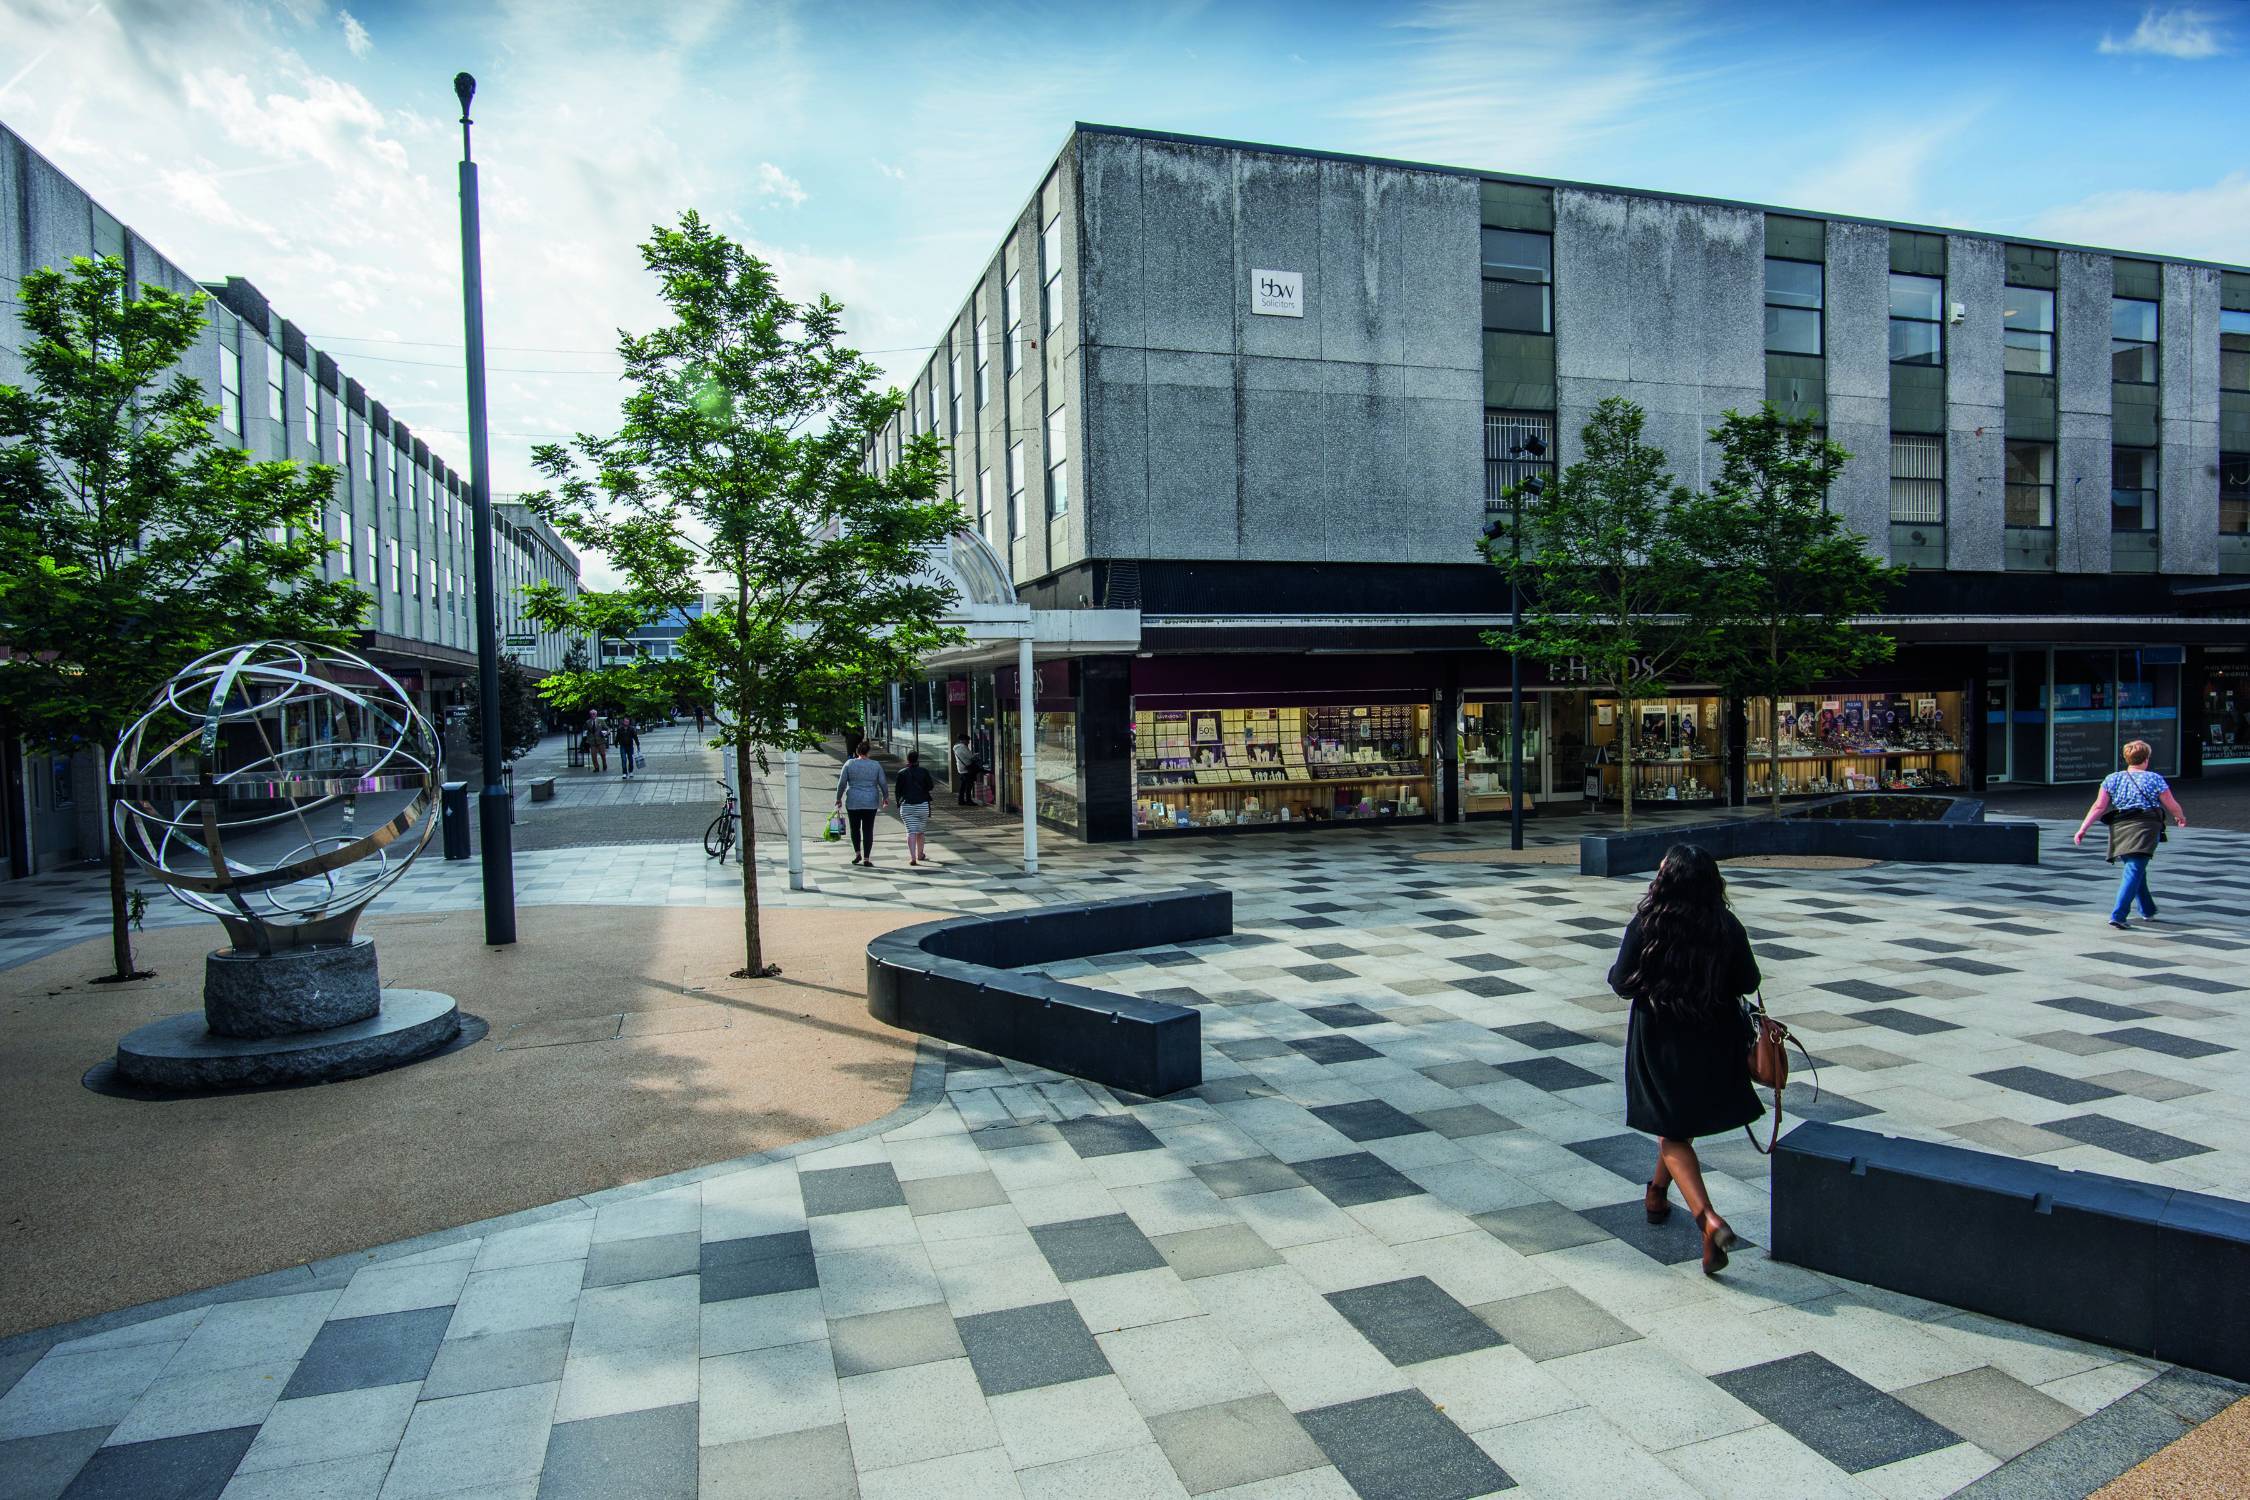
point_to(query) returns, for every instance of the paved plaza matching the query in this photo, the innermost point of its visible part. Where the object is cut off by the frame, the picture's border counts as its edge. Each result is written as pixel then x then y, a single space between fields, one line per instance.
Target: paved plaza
pixel 1393 1246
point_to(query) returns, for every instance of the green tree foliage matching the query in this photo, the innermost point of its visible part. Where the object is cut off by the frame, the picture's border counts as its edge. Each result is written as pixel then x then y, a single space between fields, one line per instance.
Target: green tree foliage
pixel 131 539
pixel 1787 577
pixel 740 464
pixel 627 680
pixel 1608 576
pixel 520 723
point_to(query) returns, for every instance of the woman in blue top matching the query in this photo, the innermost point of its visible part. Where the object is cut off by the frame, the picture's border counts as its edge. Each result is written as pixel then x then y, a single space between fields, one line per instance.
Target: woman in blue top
pixel 2134 802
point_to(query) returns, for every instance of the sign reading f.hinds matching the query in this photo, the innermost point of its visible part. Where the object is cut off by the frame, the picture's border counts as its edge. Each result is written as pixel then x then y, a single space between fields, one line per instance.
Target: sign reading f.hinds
pixel 1278 294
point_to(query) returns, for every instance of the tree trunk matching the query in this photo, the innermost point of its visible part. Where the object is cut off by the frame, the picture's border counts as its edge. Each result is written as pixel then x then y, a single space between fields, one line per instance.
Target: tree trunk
pixel 1625 735
pixel 746 848
pixel 1773 750
pixel 120 924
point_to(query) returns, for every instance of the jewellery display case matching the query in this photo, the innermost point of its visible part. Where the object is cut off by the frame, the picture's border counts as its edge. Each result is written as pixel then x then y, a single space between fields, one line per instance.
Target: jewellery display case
pixel 1204 768
pixel 1891 741
pixel 1486 767
pixel 1678 754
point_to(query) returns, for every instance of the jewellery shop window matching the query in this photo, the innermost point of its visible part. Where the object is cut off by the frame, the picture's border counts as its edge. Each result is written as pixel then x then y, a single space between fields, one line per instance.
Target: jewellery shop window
pixel 1486 766
pixel 1245 767
pixel 1865 743
pixel 1678 753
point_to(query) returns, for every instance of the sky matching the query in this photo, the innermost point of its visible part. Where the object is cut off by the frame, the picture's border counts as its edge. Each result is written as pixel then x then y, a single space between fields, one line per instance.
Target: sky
pixel 875 151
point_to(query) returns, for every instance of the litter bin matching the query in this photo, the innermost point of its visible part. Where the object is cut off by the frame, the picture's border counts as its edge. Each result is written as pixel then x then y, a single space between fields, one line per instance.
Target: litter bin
pixel 456 819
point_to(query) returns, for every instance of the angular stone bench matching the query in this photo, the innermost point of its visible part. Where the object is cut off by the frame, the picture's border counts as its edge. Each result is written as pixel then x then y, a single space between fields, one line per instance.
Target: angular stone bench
pixel 956 980
pixel 543 789
pixel 2154 1270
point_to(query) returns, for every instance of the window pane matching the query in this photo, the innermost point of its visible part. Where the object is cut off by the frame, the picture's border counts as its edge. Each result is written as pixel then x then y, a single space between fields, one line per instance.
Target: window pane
pixel 2231 321
pixel 2029 307
pixel 1917 297
pixel 1517 255
pixel 2132 469
pixel 1050 248
pixel 1917 478
pixel 2234 368
pixel 2031 463
pixel 2029 505
pixel 2029 353
pixel 2130 318
pixel 1792 283
pixel 1517 306
pixel 2132 364
pixel 1914 343
pixel 1791 330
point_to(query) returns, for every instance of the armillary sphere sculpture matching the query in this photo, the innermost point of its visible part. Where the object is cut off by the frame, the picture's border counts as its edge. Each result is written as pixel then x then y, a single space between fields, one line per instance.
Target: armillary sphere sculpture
pixel 281 787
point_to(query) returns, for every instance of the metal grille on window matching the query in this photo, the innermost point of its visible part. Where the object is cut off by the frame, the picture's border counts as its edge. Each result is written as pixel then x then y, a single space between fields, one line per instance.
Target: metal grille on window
pixel 1506 435
pixel 1917 479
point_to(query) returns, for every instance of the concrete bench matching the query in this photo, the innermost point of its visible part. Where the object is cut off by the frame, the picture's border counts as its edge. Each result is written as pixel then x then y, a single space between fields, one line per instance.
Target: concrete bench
pixel 542 788
pixel 956 980
pixel 2155 1270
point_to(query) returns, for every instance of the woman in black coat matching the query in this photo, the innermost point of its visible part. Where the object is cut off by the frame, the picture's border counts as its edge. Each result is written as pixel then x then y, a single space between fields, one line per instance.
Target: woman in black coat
pixel 1685 964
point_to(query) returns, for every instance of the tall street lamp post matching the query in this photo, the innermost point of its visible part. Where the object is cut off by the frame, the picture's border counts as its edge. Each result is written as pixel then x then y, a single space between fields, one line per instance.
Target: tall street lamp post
pixel 494 806
pixel 1532 447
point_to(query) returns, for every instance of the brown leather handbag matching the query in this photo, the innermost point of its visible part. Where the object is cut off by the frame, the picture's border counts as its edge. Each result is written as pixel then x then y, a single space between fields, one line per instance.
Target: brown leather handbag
pixel 1770 1042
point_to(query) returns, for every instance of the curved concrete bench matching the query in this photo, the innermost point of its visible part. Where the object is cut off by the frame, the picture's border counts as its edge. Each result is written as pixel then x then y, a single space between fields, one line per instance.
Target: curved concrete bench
pixel 1961 837
pixel 956 980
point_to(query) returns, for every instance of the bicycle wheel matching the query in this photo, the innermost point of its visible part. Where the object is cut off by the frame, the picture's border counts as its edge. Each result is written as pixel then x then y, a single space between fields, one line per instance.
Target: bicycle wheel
pixel 719 837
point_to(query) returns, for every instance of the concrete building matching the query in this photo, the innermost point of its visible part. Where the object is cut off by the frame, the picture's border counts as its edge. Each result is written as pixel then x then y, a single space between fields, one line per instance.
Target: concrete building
pixel 527 551
pixel 1270 399
pixel 400 515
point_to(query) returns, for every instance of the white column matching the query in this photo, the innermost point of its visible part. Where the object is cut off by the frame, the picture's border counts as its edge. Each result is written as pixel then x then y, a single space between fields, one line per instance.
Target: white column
pixel 1027 743
pixel 795 815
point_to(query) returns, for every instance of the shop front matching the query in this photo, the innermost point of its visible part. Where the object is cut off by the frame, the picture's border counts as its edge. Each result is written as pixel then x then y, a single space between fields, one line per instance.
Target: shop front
pixel 2061 714
pixel 2224 690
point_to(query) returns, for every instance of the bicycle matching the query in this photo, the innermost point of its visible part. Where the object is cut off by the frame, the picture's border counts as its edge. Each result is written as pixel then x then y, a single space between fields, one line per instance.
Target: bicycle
pixel 718 839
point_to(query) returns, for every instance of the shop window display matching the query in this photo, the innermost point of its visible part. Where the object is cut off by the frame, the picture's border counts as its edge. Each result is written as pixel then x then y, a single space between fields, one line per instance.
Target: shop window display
pixel 1857 742
pixel 1486 767
pixel 1678 755
pixel 1054 766
pixel 2226 716
pixel 1199 768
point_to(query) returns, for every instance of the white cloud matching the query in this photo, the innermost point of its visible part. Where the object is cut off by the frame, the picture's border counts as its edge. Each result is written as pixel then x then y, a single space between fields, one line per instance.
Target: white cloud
pixel 355 35
pixel 775 183
pixel 1883 172
pixel 896 174
pixel 2209 223
pixel 2183 33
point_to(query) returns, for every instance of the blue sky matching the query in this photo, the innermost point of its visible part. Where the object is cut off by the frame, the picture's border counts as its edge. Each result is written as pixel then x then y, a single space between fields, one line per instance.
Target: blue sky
pixel 876 150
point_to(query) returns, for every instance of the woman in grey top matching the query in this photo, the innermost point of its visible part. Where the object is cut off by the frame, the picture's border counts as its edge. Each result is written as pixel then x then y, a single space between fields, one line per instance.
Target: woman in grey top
pixel 861 792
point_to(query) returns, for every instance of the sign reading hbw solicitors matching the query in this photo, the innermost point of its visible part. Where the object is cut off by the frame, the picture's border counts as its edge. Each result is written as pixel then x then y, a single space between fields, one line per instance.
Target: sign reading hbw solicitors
pixel 1278 294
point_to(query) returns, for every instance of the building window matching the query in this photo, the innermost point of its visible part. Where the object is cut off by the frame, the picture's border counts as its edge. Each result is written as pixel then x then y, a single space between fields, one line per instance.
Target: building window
pixel 344 535
pixel 273 396
pixel 2234 494
pixel 1058 467
pixel 1517 445
pixel 398 479
pixel 390 560
pixel 312 416
pixel 343 454
pixel 1011 313
pixel 2027 320
pixel 984 356
pixel 230 387
pixel 1050 272
pixel 1793 303
pixel 366 450
pixel 954 386
pixel 433 581
pixel 2132 489
pixel 1917 320
pixel 369 556
pixel 1917 477
pixel 934 399
pixel 1015 492
pixel 2234 351
pixel 2132 341
pixel 984 502
pixel 2030 496
pixel 1519 281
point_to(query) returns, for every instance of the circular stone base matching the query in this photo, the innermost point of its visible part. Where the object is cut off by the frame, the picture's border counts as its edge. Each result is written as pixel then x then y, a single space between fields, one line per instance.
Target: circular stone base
pixel 290 990
pixel 179 1052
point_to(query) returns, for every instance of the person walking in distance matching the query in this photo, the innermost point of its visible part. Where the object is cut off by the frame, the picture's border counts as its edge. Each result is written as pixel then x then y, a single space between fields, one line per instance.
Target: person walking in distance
pixel 597 741
pixel 628 746
pixel 1686 963
pixel 964 771
pixel 2134 803
pixel 861 792
pixel 915 784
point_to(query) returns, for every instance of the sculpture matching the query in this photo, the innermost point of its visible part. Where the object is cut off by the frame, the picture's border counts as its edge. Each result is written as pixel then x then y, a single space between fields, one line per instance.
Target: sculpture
pixel 281 787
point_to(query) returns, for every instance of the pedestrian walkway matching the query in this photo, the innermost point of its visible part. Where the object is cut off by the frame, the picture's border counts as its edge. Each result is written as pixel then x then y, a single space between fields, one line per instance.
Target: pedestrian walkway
pixel 1393 1246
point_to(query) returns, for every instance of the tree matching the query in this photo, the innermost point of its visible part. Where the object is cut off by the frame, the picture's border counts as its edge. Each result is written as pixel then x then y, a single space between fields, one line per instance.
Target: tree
pixel 520 725
pixel 1606 571
pixel 628 681
pixel 742 461
pixel 1788 576
pixel 131 539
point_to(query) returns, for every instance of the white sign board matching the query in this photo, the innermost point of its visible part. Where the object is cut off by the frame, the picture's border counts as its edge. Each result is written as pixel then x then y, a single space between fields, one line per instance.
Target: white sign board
pixel 1278 294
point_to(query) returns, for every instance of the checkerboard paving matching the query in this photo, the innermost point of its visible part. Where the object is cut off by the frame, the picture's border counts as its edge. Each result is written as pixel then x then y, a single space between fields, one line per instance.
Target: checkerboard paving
pixel 1393 1246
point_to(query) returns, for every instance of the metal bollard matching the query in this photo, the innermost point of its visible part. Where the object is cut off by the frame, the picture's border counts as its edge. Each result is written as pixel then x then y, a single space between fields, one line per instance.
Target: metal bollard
pixel 456 822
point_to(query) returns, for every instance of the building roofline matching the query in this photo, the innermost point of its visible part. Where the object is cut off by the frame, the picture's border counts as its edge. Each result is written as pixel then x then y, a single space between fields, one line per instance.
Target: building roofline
pixel 1084 127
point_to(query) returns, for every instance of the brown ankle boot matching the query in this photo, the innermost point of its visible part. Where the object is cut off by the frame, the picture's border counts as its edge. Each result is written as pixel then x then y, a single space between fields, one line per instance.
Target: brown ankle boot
pixel 1657 1201
pixel 1718 1239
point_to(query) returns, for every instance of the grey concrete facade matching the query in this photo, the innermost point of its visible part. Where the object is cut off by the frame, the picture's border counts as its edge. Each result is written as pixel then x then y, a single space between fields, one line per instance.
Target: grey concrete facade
pixel 1975 405
pixel 1198 430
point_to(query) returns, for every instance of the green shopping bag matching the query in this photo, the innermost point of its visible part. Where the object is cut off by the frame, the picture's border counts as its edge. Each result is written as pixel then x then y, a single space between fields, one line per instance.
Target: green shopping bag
pixel 835 828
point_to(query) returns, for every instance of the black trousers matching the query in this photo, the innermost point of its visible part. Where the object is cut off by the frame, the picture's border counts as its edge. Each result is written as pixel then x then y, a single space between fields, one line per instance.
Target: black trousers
pixel 965 791
pixel 862 820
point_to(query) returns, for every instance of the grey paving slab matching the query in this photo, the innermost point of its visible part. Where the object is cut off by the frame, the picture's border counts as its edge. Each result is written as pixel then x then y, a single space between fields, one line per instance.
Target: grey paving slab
pixel 1109 1245
pixel 1991 1408
pixel 648 1259
pixel 1554 1323
pixel 496 1361
pixel 891 1340
pixel 1022 1348
pixel 1535 1228
pixel 1248 1175
pixel 841 1190
pixel 1833 1412
pixel 1412 1320
pixel 192 1467
pixel 1233 1443
pixel 1399 1447
pixel 41 1468
pixel 650 1455
pixel 353 1354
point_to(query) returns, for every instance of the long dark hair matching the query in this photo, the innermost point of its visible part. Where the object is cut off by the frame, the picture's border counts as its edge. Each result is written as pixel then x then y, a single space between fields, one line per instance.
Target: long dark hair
pixel 1685 954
